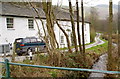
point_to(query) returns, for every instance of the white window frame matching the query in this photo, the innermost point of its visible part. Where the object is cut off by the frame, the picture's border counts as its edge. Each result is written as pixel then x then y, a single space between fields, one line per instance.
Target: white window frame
pixel 85 27
pixel 10 24
pixel 62 39
pixel 31 25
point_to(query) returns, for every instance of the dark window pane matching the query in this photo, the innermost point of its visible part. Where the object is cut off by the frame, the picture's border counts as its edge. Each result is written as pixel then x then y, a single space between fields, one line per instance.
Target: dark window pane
pixel 33 40
pixel 26 40
pixel 9 22
pixel 30 23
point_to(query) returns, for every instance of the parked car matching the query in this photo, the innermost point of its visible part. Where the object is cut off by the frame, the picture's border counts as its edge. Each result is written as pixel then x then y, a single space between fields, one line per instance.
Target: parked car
pixel 23 45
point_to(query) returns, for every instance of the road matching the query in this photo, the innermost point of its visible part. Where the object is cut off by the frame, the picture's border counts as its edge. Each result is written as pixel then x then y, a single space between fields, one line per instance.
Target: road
pixel 98 41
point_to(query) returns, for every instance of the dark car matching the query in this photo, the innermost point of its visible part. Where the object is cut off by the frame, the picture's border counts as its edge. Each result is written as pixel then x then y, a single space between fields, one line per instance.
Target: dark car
pixel 23 45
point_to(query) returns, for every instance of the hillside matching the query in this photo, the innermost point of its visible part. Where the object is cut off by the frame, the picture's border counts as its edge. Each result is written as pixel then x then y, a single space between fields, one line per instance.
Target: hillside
pixel 102 10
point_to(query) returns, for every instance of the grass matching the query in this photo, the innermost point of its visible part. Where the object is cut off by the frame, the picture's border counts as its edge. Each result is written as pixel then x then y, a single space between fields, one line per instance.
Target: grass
pixel 99 48
pixel 65 48
pixel 1 65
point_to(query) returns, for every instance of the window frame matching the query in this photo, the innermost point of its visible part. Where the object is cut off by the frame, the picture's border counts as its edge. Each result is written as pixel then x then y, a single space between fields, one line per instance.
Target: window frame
pixel 31 24
pixel 85 27
pixel 61 39
pixel 9 22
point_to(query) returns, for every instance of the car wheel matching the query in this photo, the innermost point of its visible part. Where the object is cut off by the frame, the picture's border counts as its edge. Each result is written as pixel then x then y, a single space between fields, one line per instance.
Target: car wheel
pixel 19 54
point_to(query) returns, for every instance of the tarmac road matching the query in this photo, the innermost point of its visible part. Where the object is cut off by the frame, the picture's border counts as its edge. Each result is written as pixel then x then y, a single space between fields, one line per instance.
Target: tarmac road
pixel 98 41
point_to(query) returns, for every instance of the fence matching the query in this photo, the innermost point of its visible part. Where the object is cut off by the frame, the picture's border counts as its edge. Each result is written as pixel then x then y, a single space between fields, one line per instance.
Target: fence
pixel 5 48
pixel 7 64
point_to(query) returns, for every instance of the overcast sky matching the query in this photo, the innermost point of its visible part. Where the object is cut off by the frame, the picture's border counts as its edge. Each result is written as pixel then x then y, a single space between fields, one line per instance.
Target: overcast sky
pixel 65 2
pixel 86 2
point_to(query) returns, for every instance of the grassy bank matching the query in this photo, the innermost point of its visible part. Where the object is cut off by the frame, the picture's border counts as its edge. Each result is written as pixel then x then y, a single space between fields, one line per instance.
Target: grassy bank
pixel 99 48
pixel 65 48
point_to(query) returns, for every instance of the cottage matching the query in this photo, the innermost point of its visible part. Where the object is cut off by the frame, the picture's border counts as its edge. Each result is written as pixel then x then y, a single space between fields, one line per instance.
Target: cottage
pixel 17 22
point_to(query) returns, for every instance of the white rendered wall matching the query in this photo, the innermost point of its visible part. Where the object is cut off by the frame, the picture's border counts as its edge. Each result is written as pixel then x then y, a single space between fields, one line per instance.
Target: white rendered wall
pixel 21 30
pixel 59 33
pixel 1 29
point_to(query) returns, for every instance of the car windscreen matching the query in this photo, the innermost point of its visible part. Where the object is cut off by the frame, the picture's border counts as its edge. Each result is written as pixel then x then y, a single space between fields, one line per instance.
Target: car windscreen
pixel 29 40
pixel 18 40
pixel 26 40
pixel 33 40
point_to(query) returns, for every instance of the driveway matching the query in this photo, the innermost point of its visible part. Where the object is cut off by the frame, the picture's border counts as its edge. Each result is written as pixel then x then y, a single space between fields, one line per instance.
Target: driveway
pixel 98 41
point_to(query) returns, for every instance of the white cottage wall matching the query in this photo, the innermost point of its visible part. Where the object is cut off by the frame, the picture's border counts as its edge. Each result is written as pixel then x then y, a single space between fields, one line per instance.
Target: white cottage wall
pixel 21 30
pixel 87 33
pixel 67 25
pixel 1 30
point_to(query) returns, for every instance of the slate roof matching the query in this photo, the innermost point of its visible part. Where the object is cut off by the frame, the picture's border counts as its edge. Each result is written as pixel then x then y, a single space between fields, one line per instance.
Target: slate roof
pixel 10 9
pixel 18 10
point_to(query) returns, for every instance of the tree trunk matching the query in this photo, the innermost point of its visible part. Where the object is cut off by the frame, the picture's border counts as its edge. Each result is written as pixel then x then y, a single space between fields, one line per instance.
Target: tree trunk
pixel 119 39
pixel 45 37
pixel 47 8
pixel 110 36
pixel 68 42
pixel 83 39
pixel 14 51
pixel 78 29
pixel 73 26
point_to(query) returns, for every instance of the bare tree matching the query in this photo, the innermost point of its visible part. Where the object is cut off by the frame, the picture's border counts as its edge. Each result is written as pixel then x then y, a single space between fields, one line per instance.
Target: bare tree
pixel 83 39
pixel 14 51
pixel 110 36
pixel 119 38
pixel 68 42
pixel 64 32
pixel 78 29
pixel 94 23
pixel 45 37
pixel 73 26
pixel 47 8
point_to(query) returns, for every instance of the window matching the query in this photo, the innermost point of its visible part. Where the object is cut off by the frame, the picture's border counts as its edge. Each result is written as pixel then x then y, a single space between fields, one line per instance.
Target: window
pixel 62 39
pixel 27 40
pixel 9 22
pixel 85 27
pixel 30 23
pixel 33 40
pixel 18 40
